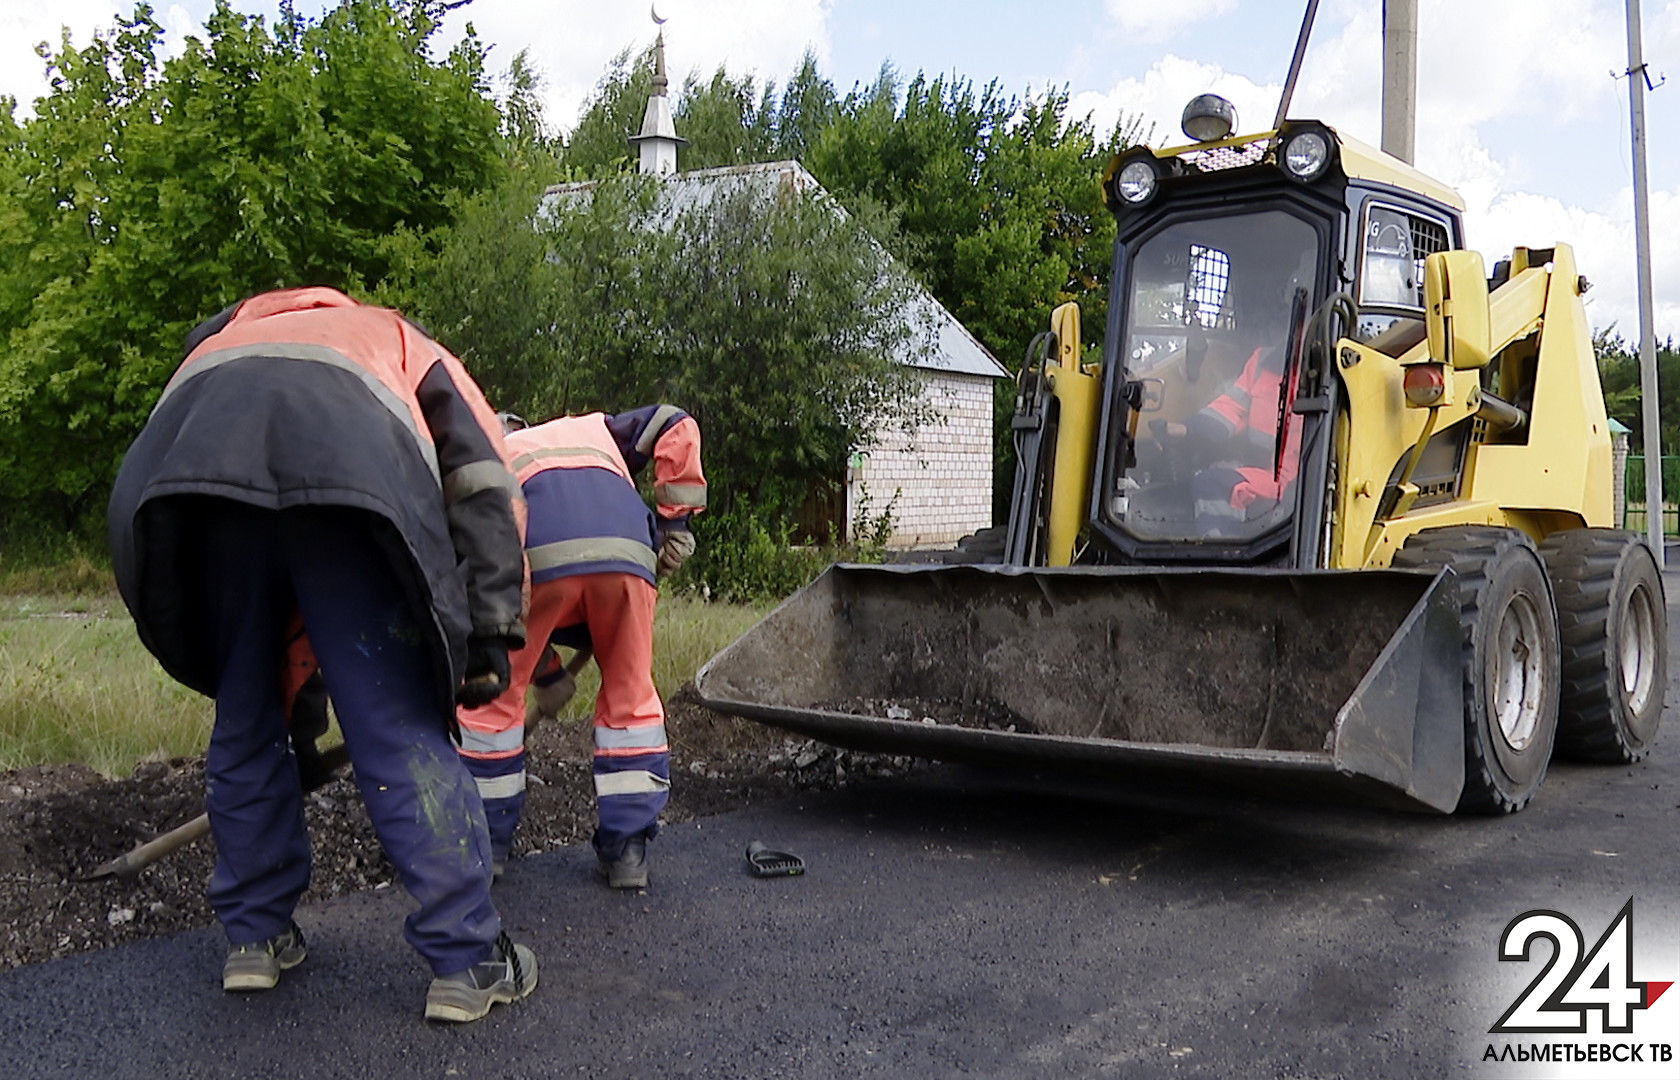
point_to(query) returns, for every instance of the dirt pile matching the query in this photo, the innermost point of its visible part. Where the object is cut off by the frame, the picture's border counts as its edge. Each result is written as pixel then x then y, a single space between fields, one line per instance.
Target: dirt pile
pixel 58 823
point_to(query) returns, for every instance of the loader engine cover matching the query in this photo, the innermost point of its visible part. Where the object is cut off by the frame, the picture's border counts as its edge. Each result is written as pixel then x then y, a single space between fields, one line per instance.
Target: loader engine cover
pixel 1285 682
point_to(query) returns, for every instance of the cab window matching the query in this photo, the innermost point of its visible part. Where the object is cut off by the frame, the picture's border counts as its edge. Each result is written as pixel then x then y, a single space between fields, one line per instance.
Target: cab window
pixel 1393 246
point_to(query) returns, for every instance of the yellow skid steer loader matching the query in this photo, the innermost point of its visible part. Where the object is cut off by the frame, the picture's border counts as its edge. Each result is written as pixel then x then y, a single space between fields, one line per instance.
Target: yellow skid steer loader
pixel 1331 515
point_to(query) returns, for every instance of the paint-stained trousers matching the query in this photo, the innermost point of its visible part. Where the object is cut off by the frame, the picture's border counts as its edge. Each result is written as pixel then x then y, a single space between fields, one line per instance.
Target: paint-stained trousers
pixel 632 763
pixel 255 568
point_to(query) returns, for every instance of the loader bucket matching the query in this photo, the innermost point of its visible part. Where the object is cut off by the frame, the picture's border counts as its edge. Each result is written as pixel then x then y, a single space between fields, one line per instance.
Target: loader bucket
pixel 1341 684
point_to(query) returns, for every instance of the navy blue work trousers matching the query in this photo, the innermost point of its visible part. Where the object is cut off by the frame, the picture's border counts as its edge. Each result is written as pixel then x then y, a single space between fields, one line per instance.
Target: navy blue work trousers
pixel 256 568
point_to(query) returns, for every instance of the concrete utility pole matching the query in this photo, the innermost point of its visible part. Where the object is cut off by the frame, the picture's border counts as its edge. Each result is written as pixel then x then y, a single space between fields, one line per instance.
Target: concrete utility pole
pixel 1647 334
pixel 1399 88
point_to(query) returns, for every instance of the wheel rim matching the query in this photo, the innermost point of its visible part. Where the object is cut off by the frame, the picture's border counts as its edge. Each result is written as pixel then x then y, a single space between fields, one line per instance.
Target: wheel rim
pixel 1517 684
pixel 1638 648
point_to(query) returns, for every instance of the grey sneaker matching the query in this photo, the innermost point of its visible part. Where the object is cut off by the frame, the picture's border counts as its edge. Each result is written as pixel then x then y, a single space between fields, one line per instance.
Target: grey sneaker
pixel 509 974
pixel 257 966
pixel 629 870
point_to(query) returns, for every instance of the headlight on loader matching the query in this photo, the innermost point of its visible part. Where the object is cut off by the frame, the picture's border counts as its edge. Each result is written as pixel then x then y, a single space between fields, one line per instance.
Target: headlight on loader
pixel 1306 154
pixel 1136 182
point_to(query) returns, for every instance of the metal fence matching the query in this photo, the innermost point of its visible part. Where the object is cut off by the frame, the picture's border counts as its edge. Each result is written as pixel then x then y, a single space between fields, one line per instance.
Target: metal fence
pixel 1633 485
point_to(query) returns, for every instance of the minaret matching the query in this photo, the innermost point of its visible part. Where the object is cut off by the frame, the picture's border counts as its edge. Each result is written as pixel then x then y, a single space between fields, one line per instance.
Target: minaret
pixel 658 141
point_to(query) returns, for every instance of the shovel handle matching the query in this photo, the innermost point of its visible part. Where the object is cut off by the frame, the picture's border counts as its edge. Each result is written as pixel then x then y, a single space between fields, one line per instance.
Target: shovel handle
pixel 132 862
pixel 152 850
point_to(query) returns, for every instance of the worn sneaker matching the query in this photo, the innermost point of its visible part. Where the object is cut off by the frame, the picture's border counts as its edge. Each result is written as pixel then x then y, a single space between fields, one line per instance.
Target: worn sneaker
pixel 257 966
pixel 509 974
pixel 629 870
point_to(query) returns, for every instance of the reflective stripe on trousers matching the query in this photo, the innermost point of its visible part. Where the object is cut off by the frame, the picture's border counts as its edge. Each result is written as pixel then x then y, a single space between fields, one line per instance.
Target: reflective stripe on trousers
pixel 631 748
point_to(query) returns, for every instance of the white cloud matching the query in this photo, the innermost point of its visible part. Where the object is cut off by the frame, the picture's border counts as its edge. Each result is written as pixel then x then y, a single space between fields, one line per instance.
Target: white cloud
pixel 1160 95
pixel 24 24
pixel 1530 66
pixel 1604 250
pixel 1153 20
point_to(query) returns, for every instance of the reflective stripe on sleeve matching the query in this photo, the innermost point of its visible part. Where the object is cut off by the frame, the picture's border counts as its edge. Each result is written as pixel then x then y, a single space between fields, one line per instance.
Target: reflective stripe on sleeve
pixel 631 782
pixel 492 742
pixel 320 354
pixel 650 434
pixel 591 549
pixel 500 787
pixel 476 476
pixel 558 453
pixel 680 494
pixel 648 737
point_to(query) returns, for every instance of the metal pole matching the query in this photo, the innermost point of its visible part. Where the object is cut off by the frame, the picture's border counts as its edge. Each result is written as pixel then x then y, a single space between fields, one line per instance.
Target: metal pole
pixel 1650 420
pixel 1399 88
pixel 1295 64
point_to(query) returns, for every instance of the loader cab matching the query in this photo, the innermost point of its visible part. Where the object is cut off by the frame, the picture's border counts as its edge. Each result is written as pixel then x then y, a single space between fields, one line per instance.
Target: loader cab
pixel 1215 439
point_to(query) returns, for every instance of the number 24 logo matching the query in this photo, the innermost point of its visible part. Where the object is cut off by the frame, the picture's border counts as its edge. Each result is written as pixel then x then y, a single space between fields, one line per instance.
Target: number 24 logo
pixel 1570 985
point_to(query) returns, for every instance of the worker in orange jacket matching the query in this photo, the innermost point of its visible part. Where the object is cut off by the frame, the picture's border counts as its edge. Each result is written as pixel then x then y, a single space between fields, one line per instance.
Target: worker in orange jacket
pixel 324 466
pixel 1240 427
pixel 595 552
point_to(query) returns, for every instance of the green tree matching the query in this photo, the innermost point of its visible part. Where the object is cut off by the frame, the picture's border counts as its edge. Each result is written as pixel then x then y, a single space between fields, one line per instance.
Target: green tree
pixel 145 195
pixel 1618 375
pixel 726 120
pixel 805 107
pixel 598 144
pixel 769 316
pixel 996 200
pixel 999 200
pixel 1000 197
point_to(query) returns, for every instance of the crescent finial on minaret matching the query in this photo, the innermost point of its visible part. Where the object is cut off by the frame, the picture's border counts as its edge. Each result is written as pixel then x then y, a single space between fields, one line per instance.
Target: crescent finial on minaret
pixel 653 9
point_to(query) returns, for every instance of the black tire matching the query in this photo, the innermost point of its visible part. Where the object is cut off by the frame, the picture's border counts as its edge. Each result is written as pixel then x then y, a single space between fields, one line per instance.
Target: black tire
pixel 1614 632
pixel 1511 659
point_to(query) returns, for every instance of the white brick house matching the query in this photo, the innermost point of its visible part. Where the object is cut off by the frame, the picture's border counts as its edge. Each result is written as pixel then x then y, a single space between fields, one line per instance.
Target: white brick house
pixel 935 481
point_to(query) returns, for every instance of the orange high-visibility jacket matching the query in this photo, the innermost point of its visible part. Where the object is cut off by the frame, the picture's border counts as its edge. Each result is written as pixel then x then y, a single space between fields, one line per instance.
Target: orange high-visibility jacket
pixel 1245 417
pixel 306 397
pixel 577 473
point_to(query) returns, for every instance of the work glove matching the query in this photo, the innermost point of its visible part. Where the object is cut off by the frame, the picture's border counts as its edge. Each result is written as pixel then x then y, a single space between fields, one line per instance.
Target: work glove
pixel 548 700
pixel 674 550
pixel 487 672
pixel 308 723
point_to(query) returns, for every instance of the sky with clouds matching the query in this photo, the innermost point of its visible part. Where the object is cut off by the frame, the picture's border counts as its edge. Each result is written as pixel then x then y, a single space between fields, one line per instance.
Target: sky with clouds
pixel 1522 104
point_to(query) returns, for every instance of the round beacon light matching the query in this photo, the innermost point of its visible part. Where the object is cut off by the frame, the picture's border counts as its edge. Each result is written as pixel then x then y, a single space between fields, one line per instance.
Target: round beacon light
pixel 1209 117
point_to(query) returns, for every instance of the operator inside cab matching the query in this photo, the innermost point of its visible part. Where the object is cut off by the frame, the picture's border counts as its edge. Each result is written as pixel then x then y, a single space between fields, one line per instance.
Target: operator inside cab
pixel 1217 313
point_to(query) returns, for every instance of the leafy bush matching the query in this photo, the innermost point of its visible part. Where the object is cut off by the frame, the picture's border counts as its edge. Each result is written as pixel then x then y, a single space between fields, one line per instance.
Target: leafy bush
pixel 747 555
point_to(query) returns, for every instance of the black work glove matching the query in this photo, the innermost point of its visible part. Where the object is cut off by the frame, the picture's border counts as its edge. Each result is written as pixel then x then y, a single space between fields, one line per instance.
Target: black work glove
pixel 309 723
pixel 487 672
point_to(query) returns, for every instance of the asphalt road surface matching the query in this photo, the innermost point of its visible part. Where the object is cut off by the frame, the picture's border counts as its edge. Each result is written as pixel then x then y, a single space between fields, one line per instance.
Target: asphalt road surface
pixel 952 923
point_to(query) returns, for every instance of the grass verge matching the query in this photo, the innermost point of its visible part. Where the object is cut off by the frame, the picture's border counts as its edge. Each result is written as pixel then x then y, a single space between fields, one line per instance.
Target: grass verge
pixel 76 685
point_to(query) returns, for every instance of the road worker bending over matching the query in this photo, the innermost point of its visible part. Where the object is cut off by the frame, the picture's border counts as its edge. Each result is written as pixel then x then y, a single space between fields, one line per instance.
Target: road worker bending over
pixel 595 552
pixel 316 457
